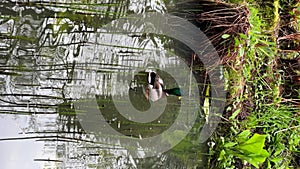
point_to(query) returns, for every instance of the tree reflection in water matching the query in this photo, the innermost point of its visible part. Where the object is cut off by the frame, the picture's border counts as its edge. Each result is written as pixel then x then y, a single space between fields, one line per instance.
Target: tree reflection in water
pixel 46 47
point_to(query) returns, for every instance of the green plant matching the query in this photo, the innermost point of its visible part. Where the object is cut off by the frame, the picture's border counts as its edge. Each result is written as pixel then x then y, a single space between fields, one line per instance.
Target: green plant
pixel 283 128
pixel 245 148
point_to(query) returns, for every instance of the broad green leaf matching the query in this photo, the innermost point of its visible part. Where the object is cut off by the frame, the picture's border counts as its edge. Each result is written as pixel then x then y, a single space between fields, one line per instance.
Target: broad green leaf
pixel 252 150
pixel 254 145
pixel 255 159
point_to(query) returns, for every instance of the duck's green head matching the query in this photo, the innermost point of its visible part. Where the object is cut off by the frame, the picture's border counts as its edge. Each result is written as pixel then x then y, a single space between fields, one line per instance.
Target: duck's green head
pixel 174 91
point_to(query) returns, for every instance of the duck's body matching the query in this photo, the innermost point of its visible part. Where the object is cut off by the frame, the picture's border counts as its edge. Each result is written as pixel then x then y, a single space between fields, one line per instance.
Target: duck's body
pixel 154 89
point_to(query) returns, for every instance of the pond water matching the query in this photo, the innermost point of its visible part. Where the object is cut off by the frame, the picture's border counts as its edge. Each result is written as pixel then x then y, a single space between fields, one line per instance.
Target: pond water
pixel 72 82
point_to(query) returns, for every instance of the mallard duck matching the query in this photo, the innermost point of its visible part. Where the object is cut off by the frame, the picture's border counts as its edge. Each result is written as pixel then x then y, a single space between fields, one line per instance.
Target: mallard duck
pixel 155 88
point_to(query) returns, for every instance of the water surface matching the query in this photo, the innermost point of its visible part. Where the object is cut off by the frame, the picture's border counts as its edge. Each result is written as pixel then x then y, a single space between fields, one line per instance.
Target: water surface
pixel 53 55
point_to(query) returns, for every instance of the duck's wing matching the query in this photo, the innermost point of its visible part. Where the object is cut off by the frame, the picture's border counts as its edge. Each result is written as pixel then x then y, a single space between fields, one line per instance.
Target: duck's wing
pixel 156 94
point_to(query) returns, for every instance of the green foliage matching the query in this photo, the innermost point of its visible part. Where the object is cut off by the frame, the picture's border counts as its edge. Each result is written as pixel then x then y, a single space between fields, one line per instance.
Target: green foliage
pixel 255 78
pixel 252 150
pixel 245 148
pixel 283 130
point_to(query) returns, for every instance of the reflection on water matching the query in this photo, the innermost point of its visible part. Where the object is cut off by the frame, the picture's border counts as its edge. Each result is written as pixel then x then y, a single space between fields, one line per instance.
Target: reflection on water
pixel 54 53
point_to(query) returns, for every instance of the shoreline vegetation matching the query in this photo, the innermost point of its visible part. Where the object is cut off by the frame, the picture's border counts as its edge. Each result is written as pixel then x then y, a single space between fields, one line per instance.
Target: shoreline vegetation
pixel 261 124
